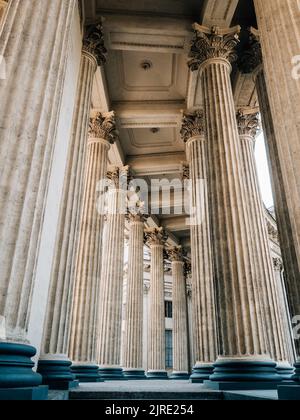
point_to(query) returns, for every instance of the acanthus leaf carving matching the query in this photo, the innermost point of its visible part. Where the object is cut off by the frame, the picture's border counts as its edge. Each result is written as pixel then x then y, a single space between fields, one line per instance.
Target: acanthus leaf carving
pixel 193 124
pixel 93 42
pixel 103 126
pixel 248 124
pixel 209 43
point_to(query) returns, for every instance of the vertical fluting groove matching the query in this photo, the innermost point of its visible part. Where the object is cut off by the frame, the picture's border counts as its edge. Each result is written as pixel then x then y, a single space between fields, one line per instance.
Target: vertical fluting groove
pixel 180 343
pixel 57 326
pixel 27 142
pixel 239 320
pixel 278 24
pixel 156 361
pixel 84 337
pixel 204 323
pixel 110 319
pixel 133 346
pixel 282 212
pixel 268 284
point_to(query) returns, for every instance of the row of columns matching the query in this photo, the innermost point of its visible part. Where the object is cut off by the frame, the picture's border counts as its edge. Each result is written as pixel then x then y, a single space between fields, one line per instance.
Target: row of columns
pixel 232 269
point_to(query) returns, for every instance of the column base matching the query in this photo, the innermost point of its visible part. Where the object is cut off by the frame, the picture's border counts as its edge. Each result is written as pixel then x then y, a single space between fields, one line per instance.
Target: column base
pixel 86 373
pixel 289 392
pixel 16 367
pixel 38 393
pixel 134 374
pixel 111 374
pixel 158 375
pixel 57 374
pixel 179 376
pixel 285 370
pixel 201 372
pixel 296 376
pixel 243 374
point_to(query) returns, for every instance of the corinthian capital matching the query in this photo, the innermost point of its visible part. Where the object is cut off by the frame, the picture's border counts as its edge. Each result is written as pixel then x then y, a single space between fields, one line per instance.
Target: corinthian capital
pixel 248 124
pixel 211 43
pixel 251 57
pixel 155 236
pixel 192 125
pixel 175 254
pixel 93 43
pixel 103 126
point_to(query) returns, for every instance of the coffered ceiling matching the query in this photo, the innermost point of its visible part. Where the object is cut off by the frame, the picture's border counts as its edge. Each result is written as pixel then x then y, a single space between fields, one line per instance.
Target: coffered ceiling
pixel 146 81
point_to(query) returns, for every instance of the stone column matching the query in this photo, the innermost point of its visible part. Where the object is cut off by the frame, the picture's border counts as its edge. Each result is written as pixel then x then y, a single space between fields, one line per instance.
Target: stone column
pixel 243 357
pixel 278 24
pixel 111 296
pixel 54 364
pixel 155 239
pixel 248 125
pixel 133 345
pixel 30 104
pixel 204 316
pixel 251 62
pixel 180 320
pixel 284 309
pixel 85 332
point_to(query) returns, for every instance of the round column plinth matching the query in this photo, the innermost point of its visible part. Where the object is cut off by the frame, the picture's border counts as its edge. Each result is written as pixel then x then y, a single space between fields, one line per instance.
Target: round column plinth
pixel 296 376
pixel 157 375
pixel 16 366
pixel 86 373
pixel 111 374
pixel 201 373
pixel 57 373
pixel 285 370
pixel 245 371
pixel 179 376
pixel 134 374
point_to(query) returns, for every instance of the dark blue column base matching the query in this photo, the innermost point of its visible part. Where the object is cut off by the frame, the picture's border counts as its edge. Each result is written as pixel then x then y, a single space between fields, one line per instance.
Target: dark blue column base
pixel 16 366
pixel 134 374
pixel 289 392
pixel 240 386
pixel 286 371
pixel 244 375
pixel 38 393
pixel 201 373
pixel 57 374
pixel 296 376
pixel 86 373
pixel 179 376
pixel 111 374
pixel 158 375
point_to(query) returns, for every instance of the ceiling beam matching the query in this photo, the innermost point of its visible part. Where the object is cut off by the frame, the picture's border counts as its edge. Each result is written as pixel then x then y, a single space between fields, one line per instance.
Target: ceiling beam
pixel 219 13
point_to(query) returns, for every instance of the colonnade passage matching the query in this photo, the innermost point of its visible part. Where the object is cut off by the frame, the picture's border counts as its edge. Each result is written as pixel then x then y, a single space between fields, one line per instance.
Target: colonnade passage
pixel 72 157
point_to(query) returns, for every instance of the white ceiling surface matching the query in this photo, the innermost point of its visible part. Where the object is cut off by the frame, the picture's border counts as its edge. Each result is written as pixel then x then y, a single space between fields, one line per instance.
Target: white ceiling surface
pixel 157 32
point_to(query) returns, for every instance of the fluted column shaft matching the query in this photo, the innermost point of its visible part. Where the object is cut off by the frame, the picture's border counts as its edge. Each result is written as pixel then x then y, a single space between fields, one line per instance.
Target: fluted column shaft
pixel 278 24
pixel 282 212
pixel 84 332
pixel 28 120
pixel 156 344
pixel 133 346
pixel 58 322
pixel 240 317
pixel 204 317
pixel 110 319
pixel 248 125
pixel 157 349
pixel 180 321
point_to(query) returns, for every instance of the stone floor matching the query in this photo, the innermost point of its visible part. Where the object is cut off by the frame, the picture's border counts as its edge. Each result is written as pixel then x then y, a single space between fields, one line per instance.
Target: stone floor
pixel 161 390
